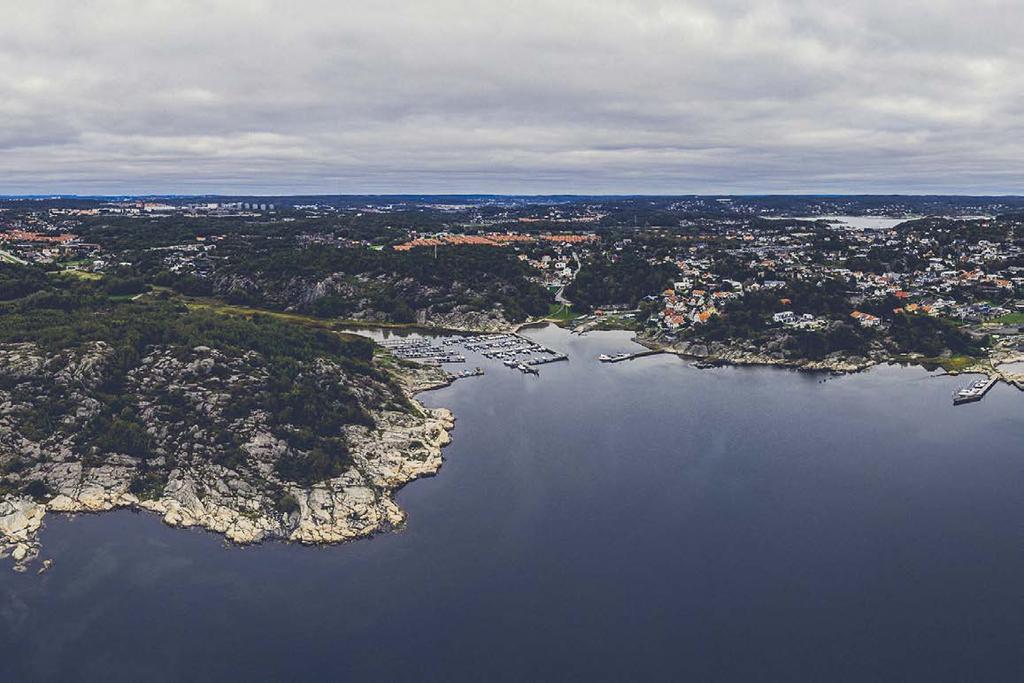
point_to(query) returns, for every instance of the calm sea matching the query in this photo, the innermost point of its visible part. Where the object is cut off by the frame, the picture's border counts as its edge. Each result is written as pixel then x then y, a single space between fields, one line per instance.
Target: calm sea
pixel 644 520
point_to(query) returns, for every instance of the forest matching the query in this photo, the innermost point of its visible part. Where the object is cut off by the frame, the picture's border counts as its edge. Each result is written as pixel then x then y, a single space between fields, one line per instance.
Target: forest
pixel 397 284
pixel 306 408
pixel 622 279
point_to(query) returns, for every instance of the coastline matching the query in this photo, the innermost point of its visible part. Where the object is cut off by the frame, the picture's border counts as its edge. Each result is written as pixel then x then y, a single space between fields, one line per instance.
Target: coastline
pixel 404 446
pixel 357 504
pixel 721 354
pixel 724 355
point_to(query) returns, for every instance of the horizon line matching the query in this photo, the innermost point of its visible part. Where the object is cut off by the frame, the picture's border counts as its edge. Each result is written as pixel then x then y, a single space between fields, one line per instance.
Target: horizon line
pixel 171 195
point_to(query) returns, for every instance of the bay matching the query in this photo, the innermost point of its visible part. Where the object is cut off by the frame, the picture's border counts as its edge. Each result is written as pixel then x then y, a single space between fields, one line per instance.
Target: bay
pixel 643 520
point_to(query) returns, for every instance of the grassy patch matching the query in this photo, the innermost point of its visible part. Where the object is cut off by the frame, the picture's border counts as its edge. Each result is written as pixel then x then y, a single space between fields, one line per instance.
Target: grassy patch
pixel 10 258
pixel 947 363
pixel 1011 319
pixel 75 263
pixel 80 274
pixel 617 322
pixel 956 363
pixel 561 313
pixel 223 308
pixel 333 324
pixel 248 311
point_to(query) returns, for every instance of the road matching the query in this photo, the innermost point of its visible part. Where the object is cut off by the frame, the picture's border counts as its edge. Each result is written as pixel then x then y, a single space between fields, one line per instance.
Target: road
pixel 11 258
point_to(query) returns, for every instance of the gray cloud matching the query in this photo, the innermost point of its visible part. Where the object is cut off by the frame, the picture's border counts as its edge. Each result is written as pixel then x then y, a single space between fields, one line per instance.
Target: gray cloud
pixel 529 96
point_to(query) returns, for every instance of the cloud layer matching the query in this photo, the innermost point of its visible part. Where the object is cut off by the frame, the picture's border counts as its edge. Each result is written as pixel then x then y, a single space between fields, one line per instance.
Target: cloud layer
pixel 527 96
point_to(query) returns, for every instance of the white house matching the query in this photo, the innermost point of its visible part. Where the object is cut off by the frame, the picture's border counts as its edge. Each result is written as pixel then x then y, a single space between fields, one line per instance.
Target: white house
pixel 784 317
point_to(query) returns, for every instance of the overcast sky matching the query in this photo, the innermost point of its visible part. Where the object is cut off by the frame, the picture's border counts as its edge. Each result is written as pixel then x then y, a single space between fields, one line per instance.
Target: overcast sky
pixel 517 96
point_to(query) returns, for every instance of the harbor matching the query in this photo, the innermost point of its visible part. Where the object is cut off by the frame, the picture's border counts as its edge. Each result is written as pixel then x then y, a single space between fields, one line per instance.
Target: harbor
pixel 512 350
pixel 515 352
pixel 422 350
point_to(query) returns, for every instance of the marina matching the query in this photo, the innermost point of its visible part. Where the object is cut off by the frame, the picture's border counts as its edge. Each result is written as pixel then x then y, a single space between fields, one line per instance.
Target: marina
pixel 514 351
pixel 422 350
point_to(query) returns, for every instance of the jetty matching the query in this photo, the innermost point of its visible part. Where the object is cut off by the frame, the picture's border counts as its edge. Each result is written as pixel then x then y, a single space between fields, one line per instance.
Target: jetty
pixel 543 360
pixel 974 391
pixel 619 357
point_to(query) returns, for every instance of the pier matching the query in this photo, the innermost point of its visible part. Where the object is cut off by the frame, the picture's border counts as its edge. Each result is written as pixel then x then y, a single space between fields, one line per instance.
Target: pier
pixel 619 357
pixel 974 391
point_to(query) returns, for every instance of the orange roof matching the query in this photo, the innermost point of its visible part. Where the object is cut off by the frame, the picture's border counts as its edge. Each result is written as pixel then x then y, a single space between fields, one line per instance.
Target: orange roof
pixel 569 238
pixel 704 315
pixel 491 239
pixel 25 236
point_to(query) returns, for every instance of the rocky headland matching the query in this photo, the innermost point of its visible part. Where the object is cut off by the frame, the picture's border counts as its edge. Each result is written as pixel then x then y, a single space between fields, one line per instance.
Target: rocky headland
pixel 737 354
pixel 212 455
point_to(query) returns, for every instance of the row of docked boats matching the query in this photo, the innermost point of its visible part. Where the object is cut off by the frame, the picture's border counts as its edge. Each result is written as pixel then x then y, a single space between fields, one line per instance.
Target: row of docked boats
pixel 422 350
pixel 512 350
pixel 521 367
pixel 515 351
pixel 975 391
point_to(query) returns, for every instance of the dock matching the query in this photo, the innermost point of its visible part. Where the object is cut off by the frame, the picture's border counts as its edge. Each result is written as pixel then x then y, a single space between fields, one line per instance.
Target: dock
pixel 422 351
pixel 974 391
pixel 619 357
pixel 512 350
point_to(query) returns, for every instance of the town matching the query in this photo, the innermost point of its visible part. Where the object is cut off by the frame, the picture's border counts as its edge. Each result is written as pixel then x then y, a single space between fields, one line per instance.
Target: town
pixel 715 277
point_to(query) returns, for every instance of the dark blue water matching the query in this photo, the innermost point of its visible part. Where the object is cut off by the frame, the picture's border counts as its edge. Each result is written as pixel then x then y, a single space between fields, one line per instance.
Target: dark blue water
pixel 638 521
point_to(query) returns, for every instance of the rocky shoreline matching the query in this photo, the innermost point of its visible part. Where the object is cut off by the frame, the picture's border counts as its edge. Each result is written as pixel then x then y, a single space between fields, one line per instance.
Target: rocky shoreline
pixel 403 445
pixel 718 353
